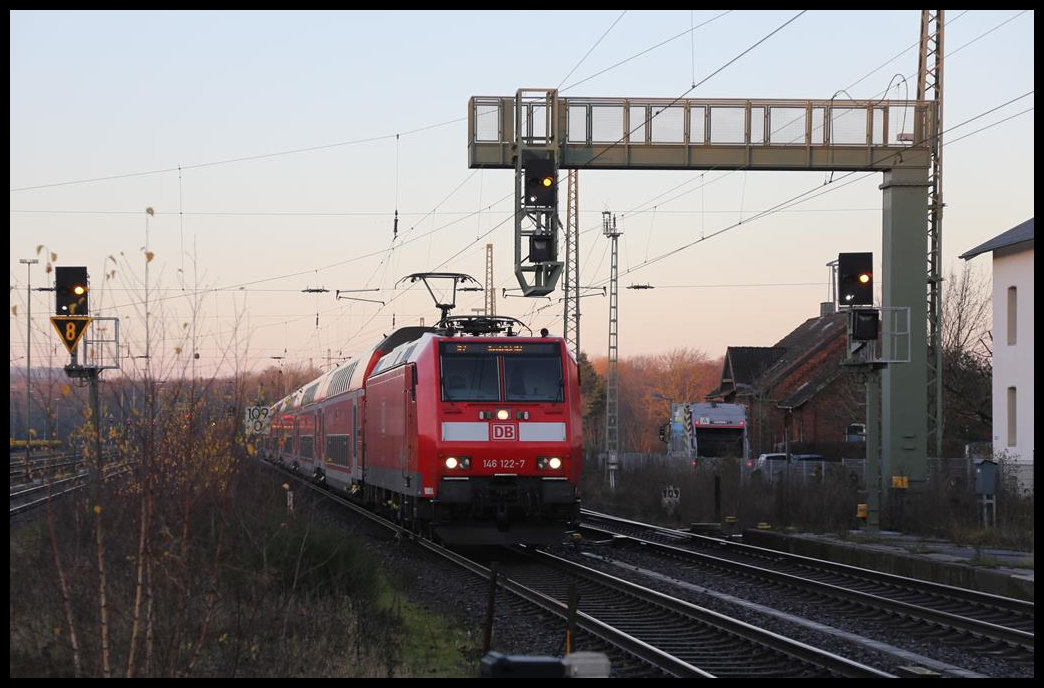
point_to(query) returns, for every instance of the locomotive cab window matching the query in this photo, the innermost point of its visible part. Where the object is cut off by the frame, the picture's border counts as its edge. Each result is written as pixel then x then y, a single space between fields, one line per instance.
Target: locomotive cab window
pixel 470 378
pixel 501 372
pixel 533 378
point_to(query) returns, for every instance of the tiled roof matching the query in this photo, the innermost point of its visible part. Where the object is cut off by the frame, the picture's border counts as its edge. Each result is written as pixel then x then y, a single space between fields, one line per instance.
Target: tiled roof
pixel 818 381
pixel 750 367
pixel 747 363
pixel 802 342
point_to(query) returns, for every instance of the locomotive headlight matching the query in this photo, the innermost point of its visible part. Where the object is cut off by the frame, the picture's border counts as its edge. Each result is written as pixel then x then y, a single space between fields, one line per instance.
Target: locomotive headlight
pixel 457 463
pixel 503 414
pixel 549 463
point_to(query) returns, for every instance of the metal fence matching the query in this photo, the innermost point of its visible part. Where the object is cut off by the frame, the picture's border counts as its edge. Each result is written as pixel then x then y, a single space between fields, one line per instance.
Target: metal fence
pixel 955 474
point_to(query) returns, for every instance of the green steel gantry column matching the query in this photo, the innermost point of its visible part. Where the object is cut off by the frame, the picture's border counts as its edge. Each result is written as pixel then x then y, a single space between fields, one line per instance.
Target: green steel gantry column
pixel 904 386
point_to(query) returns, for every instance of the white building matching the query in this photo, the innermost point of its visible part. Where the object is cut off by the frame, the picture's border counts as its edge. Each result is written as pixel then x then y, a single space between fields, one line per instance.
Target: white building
pixel 1012 346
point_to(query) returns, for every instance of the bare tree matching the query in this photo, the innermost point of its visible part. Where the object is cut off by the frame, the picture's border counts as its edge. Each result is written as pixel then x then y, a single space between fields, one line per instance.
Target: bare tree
pixel 967 312
pixel 967 359
pixel 679 374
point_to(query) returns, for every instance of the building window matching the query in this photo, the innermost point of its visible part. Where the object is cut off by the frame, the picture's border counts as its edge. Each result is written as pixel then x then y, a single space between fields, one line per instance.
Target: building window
pixel 1012 429
pixel 1013 320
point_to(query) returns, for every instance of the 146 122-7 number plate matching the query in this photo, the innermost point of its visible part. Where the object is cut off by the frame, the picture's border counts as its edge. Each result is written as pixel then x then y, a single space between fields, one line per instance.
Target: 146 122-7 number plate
pixel 504 464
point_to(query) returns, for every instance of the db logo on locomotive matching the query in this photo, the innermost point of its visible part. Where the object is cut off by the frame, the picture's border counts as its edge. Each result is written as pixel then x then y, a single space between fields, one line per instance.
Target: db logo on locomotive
pixel 505 431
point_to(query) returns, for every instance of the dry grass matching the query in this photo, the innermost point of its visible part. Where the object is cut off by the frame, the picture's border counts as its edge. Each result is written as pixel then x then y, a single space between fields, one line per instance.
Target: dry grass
pixel 249 593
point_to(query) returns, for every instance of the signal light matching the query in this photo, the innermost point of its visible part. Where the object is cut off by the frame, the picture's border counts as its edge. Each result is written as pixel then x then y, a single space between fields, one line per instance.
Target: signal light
pixel 541 184
pixel 71 291
pixel 855 279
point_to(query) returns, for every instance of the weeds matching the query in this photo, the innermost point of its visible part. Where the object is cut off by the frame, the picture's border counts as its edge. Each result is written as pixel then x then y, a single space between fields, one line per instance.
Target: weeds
pixel 231 588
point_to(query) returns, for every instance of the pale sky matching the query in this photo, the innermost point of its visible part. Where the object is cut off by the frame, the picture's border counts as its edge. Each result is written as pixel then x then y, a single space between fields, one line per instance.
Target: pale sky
pixel 276 147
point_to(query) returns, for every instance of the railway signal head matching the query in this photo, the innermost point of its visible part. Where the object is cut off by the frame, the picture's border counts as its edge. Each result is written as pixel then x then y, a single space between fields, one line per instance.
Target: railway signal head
pixel 855 279
pixel 71 291
pixel 866 322
pixel 541 184
pixel 542 248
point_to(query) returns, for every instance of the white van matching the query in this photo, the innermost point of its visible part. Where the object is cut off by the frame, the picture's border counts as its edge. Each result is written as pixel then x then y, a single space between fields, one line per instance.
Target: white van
pixel 771 465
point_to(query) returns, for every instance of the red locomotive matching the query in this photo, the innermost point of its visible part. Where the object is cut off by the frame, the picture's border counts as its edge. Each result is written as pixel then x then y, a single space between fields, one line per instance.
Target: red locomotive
pixel 467 431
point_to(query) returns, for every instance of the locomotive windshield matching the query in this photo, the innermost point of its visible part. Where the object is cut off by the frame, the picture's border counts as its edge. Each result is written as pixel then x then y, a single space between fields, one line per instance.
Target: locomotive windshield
pixel 501 372
pixel 470 378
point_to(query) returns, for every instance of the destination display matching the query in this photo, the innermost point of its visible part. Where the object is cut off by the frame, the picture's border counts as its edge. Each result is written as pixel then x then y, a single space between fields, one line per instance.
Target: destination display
pixel 501 347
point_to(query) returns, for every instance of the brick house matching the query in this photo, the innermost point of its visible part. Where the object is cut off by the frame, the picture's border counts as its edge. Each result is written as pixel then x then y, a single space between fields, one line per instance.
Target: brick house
pixel 798 391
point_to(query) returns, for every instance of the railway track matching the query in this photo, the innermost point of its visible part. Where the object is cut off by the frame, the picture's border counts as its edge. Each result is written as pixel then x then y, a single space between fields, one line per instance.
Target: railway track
pixel 684 639
pixel 927 614
pixel 645 633
pixel 26 498
pixel 46 466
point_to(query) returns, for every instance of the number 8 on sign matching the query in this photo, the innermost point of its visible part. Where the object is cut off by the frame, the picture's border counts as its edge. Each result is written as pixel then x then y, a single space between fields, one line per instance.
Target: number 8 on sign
pixel 70 329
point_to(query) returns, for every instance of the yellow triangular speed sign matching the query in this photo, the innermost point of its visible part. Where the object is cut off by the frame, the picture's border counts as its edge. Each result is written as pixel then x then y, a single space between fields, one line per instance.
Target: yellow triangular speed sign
pixel 70 329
